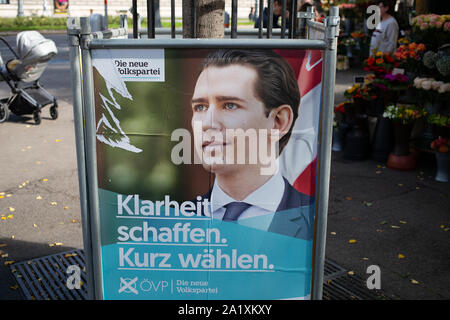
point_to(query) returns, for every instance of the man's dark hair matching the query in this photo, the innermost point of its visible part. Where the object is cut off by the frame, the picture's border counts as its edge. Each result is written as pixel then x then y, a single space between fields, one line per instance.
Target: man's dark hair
pixel 276 83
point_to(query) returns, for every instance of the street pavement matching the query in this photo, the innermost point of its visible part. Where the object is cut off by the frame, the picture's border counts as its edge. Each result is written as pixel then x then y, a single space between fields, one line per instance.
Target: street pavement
pixel 377 216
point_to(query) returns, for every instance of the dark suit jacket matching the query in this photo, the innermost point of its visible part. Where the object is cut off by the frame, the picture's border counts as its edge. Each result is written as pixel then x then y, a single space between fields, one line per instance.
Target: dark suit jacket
pixel 294 216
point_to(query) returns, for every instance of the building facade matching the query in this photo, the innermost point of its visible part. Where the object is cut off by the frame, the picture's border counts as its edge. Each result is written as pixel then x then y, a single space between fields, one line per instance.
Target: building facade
pixel 79 8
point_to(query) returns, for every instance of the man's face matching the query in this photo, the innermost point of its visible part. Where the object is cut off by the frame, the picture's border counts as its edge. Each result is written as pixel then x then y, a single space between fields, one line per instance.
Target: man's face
pixel 224 98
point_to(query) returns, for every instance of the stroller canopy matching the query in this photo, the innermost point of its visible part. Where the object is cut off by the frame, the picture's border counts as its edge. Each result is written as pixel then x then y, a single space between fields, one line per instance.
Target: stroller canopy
pixel 34 52
pixel 31 45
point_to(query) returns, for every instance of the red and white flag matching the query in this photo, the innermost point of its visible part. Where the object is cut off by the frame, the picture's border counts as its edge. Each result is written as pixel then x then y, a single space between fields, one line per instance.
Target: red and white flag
pixel 298 160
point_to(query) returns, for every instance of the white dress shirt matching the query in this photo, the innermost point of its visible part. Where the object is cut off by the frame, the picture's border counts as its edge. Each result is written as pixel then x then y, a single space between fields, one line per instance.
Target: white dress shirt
pixel 264 200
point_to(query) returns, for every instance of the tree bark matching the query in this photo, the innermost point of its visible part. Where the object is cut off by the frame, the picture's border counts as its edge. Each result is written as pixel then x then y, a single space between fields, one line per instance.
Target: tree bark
pixel 209 18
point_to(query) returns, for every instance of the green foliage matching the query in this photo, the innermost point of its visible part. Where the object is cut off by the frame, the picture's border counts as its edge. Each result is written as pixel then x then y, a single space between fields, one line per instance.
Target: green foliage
pixel 404 113
pixel 52 23
pixel 439 120
pixel 24 23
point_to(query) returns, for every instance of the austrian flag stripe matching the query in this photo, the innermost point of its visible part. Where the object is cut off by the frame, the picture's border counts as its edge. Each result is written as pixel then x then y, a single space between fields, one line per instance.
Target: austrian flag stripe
pixel 300 169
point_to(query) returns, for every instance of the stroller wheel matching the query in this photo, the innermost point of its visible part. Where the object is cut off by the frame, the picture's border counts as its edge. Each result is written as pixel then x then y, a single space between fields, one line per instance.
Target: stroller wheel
pixel 37 117
pixel 4 112
pixel 54 111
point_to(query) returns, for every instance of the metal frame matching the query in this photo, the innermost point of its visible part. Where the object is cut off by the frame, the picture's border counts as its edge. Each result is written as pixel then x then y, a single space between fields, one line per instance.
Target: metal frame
pixel 81 43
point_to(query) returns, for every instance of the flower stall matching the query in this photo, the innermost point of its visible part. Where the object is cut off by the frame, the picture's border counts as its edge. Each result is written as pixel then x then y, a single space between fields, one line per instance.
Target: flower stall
pixel 408 92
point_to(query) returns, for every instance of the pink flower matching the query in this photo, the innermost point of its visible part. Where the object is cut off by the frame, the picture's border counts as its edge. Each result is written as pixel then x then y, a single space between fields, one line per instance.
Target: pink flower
pixel 439 24
pixel 347 5
pixel 434 17
pixel 447 26
pixel 423 26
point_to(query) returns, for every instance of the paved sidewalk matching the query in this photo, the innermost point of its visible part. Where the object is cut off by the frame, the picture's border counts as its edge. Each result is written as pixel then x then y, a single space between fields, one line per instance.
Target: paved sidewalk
pixel 400 222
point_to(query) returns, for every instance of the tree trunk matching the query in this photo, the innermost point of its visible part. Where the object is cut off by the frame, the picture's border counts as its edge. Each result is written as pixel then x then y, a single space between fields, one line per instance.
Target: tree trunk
pixel 209 18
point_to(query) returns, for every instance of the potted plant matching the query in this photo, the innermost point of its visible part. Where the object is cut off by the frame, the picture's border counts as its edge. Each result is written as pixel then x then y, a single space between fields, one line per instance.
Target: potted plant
pixel 361 97
pixel 340 126
pixel 441 147
pixel 403 117
pixel 357 141
pixel 441 124
pixel 431 94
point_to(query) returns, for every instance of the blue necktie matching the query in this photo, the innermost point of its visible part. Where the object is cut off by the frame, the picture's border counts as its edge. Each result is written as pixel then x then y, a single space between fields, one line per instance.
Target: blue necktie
pixel 234 210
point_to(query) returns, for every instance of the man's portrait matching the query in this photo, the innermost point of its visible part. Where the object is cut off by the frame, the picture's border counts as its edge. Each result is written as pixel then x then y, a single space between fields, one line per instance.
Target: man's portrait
pixel 246 101
pixel 208 155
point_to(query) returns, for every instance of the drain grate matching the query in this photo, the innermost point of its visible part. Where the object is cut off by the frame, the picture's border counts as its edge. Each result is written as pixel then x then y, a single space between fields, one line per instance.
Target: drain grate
pixel 350 288
pixel 45 279
pixel 332 270
pixel 339 285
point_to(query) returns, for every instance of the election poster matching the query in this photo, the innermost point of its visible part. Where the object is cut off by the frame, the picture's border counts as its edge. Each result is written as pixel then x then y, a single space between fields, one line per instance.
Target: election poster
pixel 206 164
pixel 61 6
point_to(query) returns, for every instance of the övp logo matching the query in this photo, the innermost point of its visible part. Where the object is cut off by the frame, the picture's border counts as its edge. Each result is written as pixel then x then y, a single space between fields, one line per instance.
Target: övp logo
pixel 148 285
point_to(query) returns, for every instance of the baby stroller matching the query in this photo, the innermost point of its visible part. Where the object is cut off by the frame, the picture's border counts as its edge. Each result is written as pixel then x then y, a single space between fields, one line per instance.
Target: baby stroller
pixel 22 76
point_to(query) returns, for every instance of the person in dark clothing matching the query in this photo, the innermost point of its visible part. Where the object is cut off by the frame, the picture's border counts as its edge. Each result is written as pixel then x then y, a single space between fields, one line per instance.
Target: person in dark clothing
pixel 277 13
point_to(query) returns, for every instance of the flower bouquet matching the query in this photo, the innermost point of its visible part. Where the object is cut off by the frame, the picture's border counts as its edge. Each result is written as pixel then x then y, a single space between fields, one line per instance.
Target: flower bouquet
pixel 403 41
pixel 355 92
pixel 347 41
pixel 404 113
pixel 403 117
pixel 340 125
pixel 432 29
pixel 339 111
pixel 391 86
pixel 346 45
pixel 380 64
pixel 441 124
pixel 441 146
pixel 374 95
pixel 361 48
pixel 358 34
pixel 410 56
pixel 393 82
pixel 431 91
pixel 439 120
